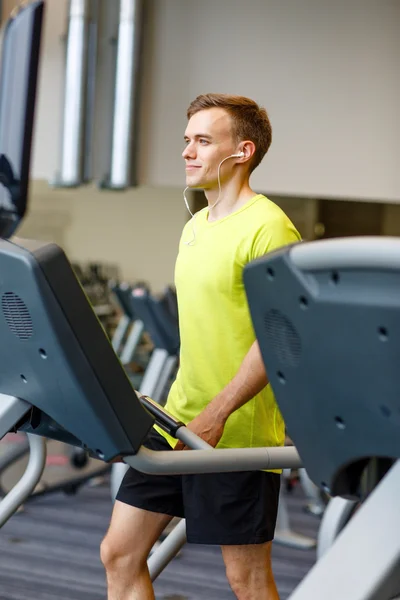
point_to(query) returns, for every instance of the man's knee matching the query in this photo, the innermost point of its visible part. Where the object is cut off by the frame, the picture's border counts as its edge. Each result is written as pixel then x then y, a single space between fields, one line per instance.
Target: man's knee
pixel 115 557
pixel 238 579
pixel 250 579
pixel 108 552
pixel 250 583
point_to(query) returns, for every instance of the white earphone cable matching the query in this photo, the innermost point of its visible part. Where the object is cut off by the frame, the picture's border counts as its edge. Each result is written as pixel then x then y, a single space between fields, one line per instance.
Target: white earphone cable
pixel 193 219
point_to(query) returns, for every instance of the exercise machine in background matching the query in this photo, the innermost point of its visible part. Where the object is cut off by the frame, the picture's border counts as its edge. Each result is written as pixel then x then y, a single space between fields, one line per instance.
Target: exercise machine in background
pixel 129 330
pixel 158 317
pixel 19 73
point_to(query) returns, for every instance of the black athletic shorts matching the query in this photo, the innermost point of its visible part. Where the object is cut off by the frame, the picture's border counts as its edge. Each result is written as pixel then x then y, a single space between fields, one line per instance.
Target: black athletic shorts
pixel 219 508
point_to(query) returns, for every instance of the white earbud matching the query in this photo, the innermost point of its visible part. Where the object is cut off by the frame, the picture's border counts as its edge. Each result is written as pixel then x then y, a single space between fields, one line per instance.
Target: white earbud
pixel 239 155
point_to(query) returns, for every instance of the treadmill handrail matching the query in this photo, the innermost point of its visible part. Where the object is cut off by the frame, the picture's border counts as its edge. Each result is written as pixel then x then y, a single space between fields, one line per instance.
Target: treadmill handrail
pixel 367 252
pixel 162 418
pixel 29 480
pixel 214 461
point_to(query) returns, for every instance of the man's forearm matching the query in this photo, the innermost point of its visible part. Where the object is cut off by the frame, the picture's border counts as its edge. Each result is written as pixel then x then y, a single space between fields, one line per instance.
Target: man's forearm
pixel 247 383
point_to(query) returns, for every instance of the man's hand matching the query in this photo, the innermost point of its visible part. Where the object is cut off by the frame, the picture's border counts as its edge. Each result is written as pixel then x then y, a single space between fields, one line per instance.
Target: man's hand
pixel 206 425
pixel 116 459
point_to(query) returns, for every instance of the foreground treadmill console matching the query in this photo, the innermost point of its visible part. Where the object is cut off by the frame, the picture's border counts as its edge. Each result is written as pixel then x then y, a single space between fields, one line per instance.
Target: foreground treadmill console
pixel 55 355
pixel 327 317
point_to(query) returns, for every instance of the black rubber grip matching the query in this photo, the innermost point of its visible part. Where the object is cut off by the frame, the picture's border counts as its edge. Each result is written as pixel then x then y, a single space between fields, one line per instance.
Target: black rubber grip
pixel 163 418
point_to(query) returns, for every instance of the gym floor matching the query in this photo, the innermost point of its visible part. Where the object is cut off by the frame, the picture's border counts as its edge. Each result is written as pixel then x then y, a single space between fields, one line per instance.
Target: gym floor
pixel 50 551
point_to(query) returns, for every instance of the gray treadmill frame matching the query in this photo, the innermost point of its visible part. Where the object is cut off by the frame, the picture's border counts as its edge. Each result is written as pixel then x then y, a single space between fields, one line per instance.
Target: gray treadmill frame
pixel 120 332
pixel 336 516
pixel 11 411
pixel 216 461
pixel 364 561
pixel 367 252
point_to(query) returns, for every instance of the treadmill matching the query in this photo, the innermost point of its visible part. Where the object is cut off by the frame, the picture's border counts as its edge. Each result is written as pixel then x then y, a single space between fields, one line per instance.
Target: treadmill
pixel 327 317
pixel 18 83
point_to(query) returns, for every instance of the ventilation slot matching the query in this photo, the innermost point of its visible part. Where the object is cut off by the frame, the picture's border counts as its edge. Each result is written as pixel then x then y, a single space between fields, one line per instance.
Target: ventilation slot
pixel 17 315
pixel 283 338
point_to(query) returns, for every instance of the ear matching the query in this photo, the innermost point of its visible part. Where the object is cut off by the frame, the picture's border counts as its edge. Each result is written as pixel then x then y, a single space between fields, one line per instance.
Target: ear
pixel 248 148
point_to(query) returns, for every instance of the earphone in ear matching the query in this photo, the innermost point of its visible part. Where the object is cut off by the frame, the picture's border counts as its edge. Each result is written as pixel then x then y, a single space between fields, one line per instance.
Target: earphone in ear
pixel 238 155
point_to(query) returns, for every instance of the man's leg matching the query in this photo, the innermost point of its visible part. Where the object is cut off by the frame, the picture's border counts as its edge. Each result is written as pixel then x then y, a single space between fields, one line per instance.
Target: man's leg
pixel 141 512
pixel 236 511
pixel 125 549
pixel 249 571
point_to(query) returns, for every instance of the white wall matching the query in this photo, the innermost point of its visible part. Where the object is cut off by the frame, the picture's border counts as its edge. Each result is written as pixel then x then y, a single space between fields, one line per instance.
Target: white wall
pixel 326 71
pixel 138 230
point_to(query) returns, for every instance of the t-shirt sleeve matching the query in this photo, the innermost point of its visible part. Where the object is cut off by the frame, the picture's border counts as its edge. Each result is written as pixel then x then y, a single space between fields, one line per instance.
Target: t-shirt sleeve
pixel 271 236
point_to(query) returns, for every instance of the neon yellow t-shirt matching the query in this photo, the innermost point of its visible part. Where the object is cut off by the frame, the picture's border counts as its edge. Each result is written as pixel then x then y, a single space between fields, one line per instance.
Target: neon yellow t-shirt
pixel 214 320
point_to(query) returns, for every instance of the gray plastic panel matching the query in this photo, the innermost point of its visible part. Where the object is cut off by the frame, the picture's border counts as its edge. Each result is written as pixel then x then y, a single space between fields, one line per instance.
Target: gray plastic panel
pixel 330 340
pixel 56 356
pixel 368 252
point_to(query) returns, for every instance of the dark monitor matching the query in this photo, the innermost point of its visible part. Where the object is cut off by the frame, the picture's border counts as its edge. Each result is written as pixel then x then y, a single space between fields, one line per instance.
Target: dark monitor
pixel 18 81
pixel 55 355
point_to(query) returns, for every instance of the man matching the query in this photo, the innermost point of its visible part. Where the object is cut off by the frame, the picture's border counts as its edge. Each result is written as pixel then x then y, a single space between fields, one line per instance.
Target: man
pixel 221 390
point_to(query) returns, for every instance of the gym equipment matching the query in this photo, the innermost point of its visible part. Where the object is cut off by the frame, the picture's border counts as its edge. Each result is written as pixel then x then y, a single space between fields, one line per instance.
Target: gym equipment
pixel 158 317
pixel 19 69
pixel 326 315
pixel 125 343
pixel 94 278
pixel 63 472
pixel 336 516
pixel 284 534
pixel 317 500
pixel 340 510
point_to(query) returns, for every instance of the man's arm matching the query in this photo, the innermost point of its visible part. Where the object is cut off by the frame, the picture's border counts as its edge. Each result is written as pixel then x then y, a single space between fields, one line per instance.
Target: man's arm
pixel 247 383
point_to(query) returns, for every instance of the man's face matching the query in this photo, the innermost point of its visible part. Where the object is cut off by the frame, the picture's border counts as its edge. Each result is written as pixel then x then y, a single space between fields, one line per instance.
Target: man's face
pixel 209 140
